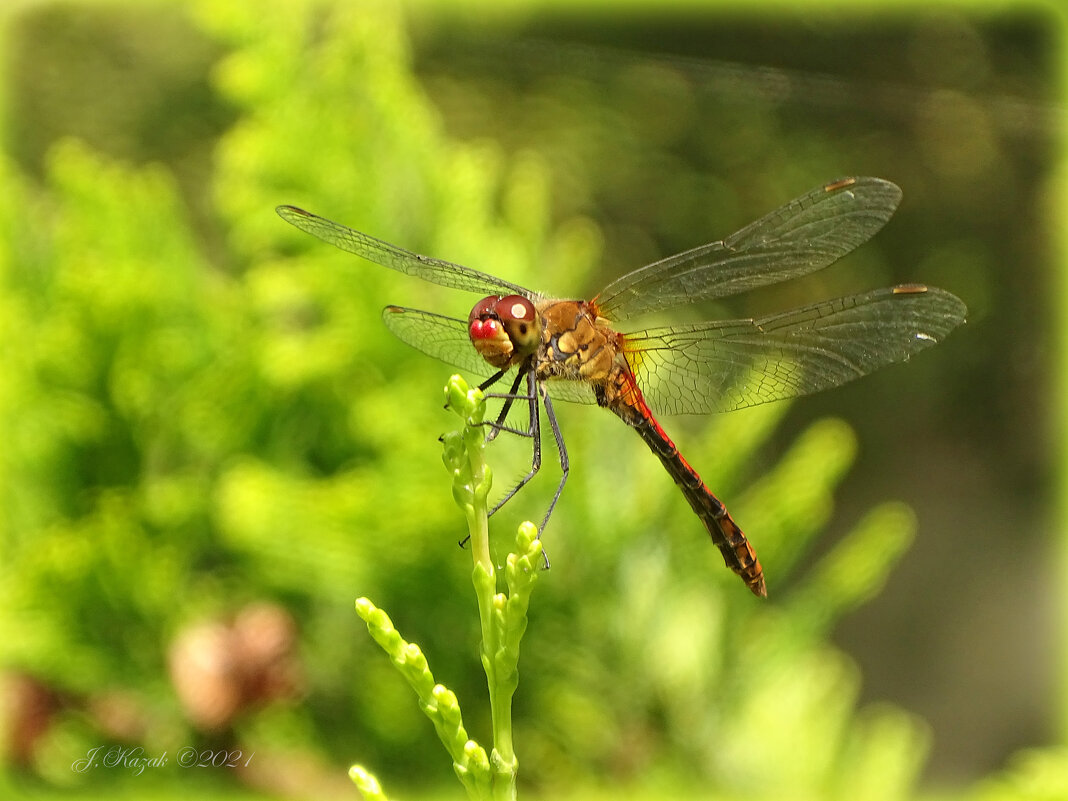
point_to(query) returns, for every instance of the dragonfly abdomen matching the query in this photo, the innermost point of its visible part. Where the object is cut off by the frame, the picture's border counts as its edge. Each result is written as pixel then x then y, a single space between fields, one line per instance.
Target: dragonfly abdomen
pixel 737 551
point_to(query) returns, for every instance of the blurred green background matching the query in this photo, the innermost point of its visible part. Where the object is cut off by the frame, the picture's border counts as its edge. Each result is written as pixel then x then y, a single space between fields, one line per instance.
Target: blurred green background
pixel 211 445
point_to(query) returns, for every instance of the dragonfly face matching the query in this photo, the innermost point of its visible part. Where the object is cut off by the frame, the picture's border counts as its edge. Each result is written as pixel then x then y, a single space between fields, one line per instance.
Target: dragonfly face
pixel 569 349
pixel 504 330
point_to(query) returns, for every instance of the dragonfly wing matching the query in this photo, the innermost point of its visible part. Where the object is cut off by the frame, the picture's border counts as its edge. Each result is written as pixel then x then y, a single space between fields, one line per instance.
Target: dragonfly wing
pixel 805 235
pixel 721 366
pixel 571 391
pixel 444 338
pixel 454 276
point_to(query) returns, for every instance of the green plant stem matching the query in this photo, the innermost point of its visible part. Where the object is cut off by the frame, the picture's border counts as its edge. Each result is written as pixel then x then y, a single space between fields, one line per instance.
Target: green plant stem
pixel 502 617
pixel 477 512
pixel 484 578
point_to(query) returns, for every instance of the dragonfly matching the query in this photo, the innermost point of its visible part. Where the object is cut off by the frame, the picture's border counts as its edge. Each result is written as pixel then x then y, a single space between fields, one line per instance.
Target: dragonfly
pixel 572 349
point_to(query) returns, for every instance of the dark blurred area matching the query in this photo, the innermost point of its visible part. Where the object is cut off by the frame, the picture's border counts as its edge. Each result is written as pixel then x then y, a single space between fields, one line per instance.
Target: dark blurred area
pixel 669 129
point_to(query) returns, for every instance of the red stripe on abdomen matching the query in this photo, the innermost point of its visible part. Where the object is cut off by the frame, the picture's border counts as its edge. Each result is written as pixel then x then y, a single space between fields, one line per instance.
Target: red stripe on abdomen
pixel 738 553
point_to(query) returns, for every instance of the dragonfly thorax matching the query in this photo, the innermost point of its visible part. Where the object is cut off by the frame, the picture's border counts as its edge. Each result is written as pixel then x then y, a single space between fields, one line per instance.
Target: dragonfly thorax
pixel 577 344
pixel 504 330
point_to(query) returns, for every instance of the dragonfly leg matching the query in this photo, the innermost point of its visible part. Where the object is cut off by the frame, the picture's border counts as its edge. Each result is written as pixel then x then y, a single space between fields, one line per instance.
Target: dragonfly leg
pixel 561 448
pixel 565 462
pixel 534 432
pixel 510 397
pixel 493 379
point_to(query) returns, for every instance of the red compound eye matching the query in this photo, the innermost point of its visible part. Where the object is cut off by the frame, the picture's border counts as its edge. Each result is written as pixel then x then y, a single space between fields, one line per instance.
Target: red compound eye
pixel 487 307
pixel 482 322
pixel 484 329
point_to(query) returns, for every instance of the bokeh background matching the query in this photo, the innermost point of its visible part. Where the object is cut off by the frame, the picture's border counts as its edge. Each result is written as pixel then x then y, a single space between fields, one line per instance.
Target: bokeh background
pixel 211 446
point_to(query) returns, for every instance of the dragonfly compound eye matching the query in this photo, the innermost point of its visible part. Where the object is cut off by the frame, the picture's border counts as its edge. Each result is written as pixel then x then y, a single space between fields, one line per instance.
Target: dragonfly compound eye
pixel 487 307
pixel 487 334
pixel 482 322
pixel 520 320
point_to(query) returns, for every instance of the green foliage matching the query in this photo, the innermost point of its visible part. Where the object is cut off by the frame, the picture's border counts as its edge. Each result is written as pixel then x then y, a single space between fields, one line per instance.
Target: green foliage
pixel 437 702
pixel 185 431
pixel 115 328
pixel 1033 775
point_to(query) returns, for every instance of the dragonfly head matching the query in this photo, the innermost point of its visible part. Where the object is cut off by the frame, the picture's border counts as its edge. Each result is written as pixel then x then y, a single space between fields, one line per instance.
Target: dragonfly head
pixel 504 330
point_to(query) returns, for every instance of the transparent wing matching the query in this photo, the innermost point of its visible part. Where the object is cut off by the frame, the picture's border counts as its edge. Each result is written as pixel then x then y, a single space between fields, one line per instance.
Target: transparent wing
pixel 571 391
pixel 444 338
pixel 721 366
pixel 454 276
pixel 803 236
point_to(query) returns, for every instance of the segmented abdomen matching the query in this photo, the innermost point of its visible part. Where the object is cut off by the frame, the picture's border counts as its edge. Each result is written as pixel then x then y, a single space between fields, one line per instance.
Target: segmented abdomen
pixel 737 552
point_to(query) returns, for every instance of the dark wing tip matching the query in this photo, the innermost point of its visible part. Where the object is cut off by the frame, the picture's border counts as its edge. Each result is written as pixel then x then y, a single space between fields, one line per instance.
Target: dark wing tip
pixel 910 289
pixel 840 183
pixel 285 212
pixel 890 191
